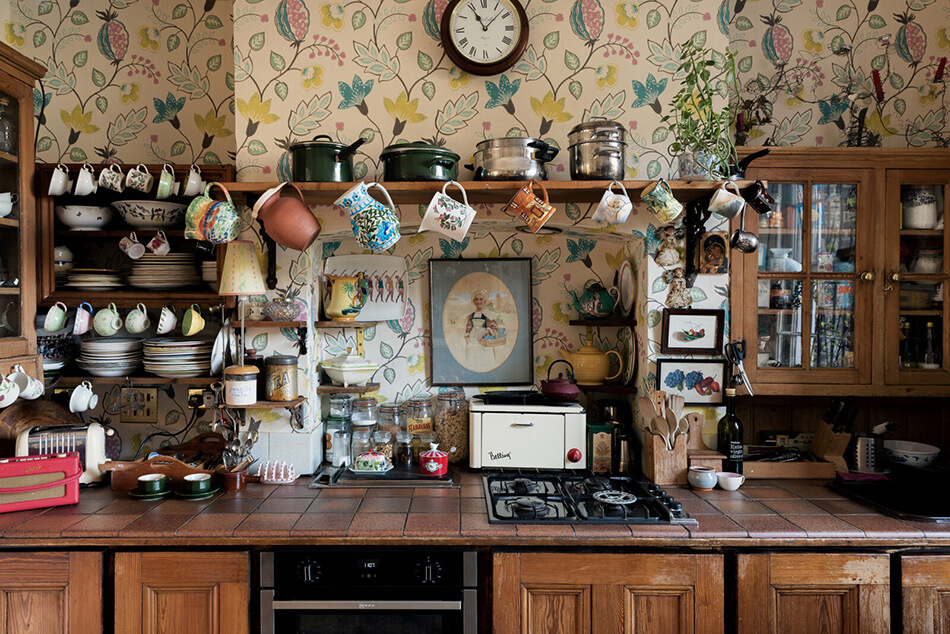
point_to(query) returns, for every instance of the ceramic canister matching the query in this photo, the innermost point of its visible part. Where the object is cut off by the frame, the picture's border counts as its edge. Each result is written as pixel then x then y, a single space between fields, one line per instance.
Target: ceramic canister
pixel 240 385
pixel 434 462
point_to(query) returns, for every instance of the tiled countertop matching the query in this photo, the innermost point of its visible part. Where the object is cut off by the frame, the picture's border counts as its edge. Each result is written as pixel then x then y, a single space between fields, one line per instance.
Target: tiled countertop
pixel 761 513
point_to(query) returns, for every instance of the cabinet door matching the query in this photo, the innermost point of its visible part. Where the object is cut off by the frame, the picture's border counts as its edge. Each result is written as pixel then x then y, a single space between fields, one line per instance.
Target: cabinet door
pixel 926 589
pixel 50 592
pixel 181 592
pixel 813 592
pixel 916 241
pixel 578 593
pixel 809 281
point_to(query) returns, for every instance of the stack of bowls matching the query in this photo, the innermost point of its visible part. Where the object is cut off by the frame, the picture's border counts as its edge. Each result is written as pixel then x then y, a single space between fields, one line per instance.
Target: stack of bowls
pixel 113 356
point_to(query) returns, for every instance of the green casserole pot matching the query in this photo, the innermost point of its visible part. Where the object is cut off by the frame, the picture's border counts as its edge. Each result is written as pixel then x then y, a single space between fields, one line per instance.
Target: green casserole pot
pixel 419 161
pixel 323 161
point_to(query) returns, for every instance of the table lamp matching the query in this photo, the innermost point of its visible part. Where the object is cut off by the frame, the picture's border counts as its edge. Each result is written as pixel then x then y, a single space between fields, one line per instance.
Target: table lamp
pixel 241 277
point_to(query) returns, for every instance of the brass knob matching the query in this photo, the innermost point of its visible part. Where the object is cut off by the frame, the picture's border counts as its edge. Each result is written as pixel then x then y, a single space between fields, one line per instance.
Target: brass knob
pixel 894 277
pixel 867 276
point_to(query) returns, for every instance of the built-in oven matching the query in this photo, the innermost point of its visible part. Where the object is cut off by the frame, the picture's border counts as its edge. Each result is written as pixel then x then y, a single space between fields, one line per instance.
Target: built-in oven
pixel 342 591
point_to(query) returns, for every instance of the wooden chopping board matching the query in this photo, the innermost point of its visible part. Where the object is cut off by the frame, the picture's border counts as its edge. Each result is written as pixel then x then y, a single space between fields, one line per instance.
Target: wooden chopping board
pixel 24 414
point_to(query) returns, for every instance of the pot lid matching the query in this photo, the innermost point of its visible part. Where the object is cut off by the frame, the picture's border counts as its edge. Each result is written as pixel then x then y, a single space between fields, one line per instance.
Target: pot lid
pixel 281 359
pixel 508 141
pixel 598 123
pixel 241 369
pixel 433 452
pixel 349 361
pixel 327 143
pixel 417 146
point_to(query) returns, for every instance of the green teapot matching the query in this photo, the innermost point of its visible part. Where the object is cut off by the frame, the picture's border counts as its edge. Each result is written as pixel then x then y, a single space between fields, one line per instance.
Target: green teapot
pixel 596 302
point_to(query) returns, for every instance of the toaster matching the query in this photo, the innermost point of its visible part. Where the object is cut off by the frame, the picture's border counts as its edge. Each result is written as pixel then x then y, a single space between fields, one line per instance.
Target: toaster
pixel 88 440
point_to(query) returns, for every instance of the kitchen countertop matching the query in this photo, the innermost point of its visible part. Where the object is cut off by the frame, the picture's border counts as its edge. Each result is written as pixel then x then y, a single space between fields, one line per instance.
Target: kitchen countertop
pixel 763 513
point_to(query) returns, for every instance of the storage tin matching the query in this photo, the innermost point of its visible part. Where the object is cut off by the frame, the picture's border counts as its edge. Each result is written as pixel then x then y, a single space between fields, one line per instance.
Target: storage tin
pixel 240 385
pixel 280 378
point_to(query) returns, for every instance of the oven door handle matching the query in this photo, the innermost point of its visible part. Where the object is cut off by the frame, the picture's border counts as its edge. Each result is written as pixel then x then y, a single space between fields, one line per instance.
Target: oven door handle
pixel 367 605
pixel 517 424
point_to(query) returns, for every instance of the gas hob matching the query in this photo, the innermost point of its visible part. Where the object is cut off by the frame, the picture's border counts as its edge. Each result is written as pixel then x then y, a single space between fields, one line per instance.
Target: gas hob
pixel 519 498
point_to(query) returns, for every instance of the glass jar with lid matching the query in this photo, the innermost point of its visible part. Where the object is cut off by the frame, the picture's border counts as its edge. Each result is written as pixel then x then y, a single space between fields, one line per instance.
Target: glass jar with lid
pixel 383 443
pixel 392 417
pixel 420 415
pixel 365 414
pixel 402 450
pixel 332 424
pixel 421 442
pixel 340 405
pixel 451 424
pixel 362 442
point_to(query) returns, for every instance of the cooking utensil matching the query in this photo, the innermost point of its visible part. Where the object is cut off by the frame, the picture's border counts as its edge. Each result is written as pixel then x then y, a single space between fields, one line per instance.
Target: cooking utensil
pixel 597 128
pixel 598 160
pixel 511 158
pixel 868 454
pixel 560 389
pixel 323 161
pixel 742 240
pixel 735 353
pixel 419 161
pixel 884 428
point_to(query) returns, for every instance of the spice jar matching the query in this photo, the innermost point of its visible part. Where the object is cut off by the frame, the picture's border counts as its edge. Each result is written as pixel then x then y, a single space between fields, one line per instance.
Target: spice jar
pixel 402 451
pixel 280 377
pixel 340 405
pixel 392 417
pixel 451 424
pixel 240 385
pixel 383 443
pixel 420 415
pixel 333 424
pixel 362 443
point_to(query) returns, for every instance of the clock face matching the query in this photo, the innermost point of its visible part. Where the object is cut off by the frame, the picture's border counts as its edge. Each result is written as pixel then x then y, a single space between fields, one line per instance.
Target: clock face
pixel 485 32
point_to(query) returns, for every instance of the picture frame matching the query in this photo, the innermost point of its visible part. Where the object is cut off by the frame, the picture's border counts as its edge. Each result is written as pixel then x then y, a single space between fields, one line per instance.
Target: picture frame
pixel 714 253
pixel 480 321
pixel 706 389
pixel 692 331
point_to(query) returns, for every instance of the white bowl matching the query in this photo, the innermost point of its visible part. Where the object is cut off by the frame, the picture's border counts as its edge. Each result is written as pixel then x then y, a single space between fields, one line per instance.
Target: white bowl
pixel 912 454
pixel 151 214
pixel 84 217
pixel 350 376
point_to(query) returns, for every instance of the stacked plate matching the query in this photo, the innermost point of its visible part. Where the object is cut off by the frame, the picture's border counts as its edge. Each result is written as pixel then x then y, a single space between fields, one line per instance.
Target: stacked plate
pixel 171 270
pixel 113 356
pixel 209 273
pixel 174 357
pixel 94 279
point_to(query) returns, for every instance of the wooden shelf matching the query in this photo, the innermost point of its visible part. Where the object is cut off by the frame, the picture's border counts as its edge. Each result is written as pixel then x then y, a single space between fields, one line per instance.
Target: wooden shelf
pixel 921 311
pixel 10 222
pixel 922 232
pixel 344 324
pixel 297 402
pixel 610 388
pixel 68 381
pixel 605 323
pixel 267 324
pixel 114 233
pixel 922 277
pixel 9 290
pixel 486 191
pixel 6 157
pixel 129 299
pixel 353 389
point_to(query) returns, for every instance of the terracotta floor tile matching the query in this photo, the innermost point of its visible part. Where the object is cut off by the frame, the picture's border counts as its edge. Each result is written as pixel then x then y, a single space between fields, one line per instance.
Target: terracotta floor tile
pixel 699 507
pixel 334 505
pixel 212 525
pixel 156 525
pixel 322 524
pixel 177 506
pixel 824 525
pixel 602 530
pixel 447 492
pixel 882 526
pixel 434 505
pixel 478 524
pixel 228 504
pixel 796 507
pixel 389 492
pixel 474 505
pixel 544 530
pixel 255 490
pixel 768 526
pixel 472 477
pixel 129 505
pixel 377 524
pixel 88 504
pixel 102 525
pixel 842 507
pixel 284 505
pixel 716 526
pixel 472 491
pixel 385 505
pixel 432 524
pixel 755 483
pixel 740 507
pixel 658 530
pixel 267 525
pixel 766 493
pixel 44 525
pixel 683 493
pixel 343 493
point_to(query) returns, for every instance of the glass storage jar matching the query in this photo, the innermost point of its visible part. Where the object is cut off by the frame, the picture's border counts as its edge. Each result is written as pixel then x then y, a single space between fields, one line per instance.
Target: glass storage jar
pixel 340 405
pixel 421 442
pixel 420 415
pixel 392 417
pixel 362 442
pixel 332 424
pixel 402 451
pixel 383 443
pixel 365 414
pixel 451 425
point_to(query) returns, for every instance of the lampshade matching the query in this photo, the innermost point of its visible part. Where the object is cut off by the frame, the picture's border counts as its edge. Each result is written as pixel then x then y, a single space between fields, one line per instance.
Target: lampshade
pixel 241 274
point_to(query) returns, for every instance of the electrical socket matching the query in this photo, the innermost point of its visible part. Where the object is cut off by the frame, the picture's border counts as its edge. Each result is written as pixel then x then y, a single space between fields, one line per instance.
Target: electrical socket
pixel 138 405
pixel 195 398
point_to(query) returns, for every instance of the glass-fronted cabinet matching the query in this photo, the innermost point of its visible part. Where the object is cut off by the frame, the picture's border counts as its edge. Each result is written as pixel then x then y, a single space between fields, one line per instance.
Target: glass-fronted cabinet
pixel 915 277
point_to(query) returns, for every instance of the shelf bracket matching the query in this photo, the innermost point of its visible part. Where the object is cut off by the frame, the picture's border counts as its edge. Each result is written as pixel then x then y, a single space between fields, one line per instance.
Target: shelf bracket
pixel 697 213
pixel 296 417
pixel 271 247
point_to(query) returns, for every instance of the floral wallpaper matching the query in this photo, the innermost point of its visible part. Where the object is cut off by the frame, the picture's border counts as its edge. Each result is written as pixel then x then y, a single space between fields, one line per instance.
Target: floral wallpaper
pixel 129 80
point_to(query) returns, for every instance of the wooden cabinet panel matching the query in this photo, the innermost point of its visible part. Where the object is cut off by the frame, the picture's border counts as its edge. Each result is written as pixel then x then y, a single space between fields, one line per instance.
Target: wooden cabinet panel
pixel 607 593
pixel 926 590
pixel 812 592
pixel 44 593
pixel 181 593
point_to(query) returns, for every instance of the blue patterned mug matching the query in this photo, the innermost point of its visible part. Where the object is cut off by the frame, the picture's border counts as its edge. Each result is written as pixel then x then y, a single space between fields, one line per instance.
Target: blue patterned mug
pixel 375 225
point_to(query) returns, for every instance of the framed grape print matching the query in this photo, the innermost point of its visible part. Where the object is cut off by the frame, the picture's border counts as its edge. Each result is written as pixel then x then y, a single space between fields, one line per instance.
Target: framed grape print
pixel 699 382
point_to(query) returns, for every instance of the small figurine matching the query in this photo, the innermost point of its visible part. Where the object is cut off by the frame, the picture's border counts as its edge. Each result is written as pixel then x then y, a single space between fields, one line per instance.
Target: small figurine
pixel 668 254
pixel 678 296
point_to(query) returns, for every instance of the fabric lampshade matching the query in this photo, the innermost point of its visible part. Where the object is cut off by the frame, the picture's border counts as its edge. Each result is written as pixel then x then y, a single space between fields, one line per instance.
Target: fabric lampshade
pixel 242 273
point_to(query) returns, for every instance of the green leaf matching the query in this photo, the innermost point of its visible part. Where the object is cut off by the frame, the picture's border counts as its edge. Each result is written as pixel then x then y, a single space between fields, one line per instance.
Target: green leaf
pixel 897 81
pixel 77 154
pixel 659 285
pixel 80 58
pixel 653 318
pixel 180 11
pixel 843 12
pixel 213 22
pixel 178 148
pixel 743 23
pixel 98 78
pixel 44 144
pixel 900 106
pixel 259 342
pixel 359 19
pixel 699 39
pixel 404 41
pixel 876 22
pixel 256 148
pixel 78 18
pixel 210 158
pixel 653 18
pixel 281 89
pixel 172 418
pixel 551 40
pixel 102 104
pixel 360 169
pixel 229 82
pixel 277 62
pixel 575 88
pixel 697 294
pixel 660 134
pixel 572 211
pixel 763 81
pixel 424 61
pixel 369 134
pixel 39 38
pixel 386 350
pixel 653 169
pixel 172 43
pixel 745 64
pixel 214 62
pixel 44 7
pixel 571 60
pixel 517 246
pixel 836 43
pixel 389 374
pixel 879 62
pixel 428 89
pixel 256 42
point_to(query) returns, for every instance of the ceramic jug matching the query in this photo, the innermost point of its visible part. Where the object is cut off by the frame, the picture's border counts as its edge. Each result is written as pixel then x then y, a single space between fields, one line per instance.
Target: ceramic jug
pixel 287 220
pixel 591 365
pixel 214 221
pixel 347 296
pixel 375 225
pixel 596 302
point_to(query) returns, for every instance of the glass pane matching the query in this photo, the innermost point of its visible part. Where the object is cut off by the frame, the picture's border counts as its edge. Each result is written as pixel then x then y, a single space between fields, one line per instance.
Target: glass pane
pixel 780 325
pixel 10 256
pixel 8 127
pixel 832 330
pixel 921 325
pixel 833 227
pixel 921 207
pixel 780 232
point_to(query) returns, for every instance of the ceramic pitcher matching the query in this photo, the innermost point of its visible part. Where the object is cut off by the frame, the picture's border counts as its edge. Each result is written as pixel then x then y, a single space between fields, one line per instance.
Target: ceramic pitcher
pixel 347 294
pixel 375 225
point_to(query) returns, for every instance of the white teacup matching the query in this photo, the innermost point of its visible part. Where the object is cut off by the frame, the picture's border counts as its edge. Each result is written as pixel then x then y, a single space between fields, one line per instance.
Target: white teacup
pixel 447 215
pixel 131 246
pixel 139 178
pixel 83 321
pixel 137 320
pixel 59 182
pixel 6 208
pixel 83 398
pixel 730 481
pixel 194 184
pixel 9 392
pixel 86 182
pixel 614 208
pixel 9 197
pixel 111 177
pixel 30 388
pixel 167 321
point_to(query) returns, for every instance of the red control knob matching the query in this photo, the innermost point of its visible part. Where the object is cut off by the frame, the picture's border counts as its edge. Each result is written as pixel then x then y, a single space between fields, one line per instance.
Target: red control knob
pixel 574 455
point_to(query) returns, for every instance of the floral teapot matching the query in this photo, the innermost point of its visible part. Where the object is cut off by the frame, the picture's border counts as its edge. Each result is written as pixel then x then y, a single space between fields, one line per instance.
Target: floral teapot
pixel 596 302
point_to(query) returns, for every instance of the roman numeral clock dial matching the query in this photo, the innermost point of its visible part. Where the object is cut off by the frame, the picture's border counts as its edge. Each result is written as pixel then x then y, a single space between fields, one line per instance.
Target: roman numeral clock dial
pixel 484 37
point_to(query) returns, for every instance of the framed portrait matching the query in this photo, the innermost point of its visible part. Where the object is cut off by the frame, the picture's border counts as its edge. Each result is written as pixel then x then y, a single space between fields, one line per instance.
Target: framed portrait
pixel 699 382
pixel 692 331
pixel 714 253
pixel 481 321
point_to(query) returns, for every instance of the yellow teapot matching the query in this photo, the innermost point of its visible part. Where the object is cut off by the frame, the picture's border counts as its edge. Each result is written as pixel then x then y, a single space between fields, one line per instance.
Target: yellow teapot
pixel 590 364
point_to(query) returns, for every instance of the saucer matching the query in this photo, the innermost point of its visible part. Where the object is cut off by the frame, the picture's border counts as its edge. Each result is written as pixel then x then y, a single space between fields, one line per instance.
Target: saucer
pixel 198 496
pixel 149 496
pixel 371 471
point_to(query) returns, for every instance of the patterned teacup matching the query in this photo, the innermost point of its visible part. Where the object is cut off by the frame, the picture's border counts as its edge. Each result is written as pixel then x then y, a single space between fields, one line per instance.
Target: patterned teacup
pixel 447 215
pixel 659 197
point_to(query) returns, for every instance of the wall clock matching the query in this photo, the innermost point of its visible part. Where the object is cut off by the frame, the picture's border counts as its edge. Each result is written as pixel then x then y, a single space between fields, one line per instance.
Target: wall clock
pixel 484 37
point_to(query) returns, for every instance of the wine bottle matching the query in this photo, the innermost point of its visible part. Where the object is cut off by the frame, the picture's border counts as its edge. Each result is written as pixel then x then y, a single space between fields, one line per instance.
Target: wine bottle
pixel 730 435
pixel 907 357
pixel 930 361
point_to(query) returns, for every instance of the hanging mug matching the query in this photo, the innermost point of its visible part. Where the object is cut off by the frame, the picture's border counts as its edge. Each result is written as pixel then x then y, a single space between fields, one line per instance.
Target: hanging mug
pixel 614 208
pixel 131 246
pixel 111 177
pixel 83 321
pixel 758 197
pixel 532 210
pixel 55 319
pixel 659 197
pixel 447 215
pixel 107 321
pixel 375 225
pixel 213 221
pixel 726 204
pixel 159 244
pixel 287 219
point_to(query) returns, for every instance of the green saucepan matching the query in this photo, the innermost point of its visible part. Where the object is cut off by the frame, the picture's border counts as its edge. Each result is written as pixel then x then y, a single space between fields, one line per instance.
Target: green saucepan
pixel 419 161
pixel 323 160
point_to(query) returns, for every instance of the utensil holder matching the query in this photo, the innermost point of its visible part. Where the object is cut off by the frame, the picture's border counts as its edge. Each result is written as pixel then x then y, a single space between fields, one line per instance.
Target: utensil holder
pixel 661 465
pixel 830 446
